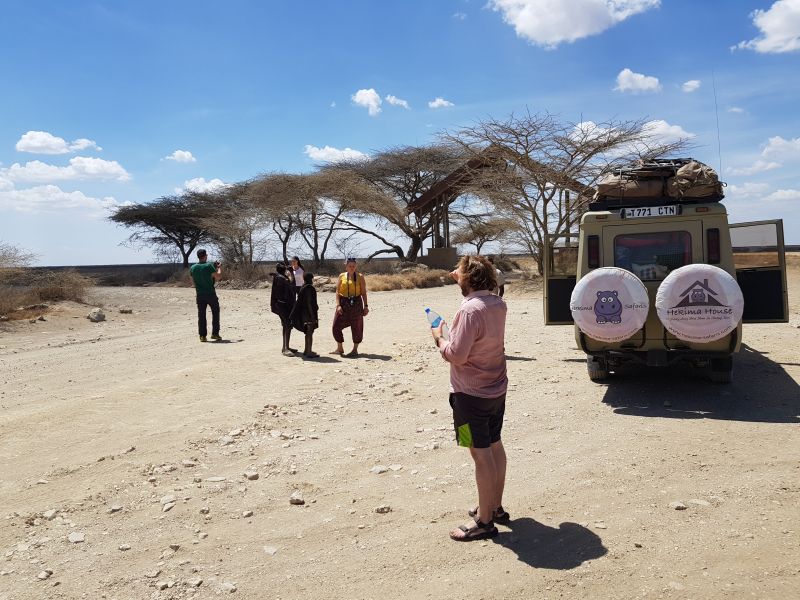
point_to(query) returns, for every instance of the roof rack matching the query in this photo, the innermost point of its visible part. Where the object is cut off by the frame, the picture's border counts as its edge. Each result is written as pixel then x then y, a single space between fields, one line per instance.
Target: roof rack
pixel 653 174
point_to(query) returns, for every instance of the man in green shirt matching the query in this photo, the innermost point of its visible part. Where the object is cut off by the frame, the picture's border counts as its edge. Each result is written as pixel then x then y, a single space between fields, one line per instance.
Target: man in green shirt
pixel 204 275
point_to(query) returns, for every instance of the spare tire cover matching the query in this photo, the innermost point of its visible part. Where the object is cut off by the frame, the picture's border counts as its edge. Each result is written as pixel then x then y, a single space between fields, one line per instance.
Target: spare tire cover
pixel 699 303
pixel 609 304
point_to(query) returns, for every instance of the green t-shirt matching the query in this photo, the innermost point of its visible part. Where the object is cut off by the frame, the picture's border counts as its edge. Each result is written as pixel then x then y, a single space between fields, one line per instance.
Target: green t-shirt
pixel 201 273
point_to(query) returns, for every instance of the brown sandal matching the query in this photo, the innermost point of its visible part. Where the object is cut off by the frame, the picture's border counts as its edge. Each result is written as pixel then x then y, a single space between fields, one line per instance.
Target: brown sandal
pixel 499 515
pixel 477 531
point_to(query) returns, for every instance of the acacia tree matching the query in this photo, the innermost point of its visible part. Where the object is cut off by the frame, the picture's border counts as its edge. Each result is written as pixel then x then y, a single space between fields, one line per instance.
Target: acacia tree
pixel 236 225
pixel 479 230
pixel 316 210
pixel 398 177
pixel 168 222
pixel 542 172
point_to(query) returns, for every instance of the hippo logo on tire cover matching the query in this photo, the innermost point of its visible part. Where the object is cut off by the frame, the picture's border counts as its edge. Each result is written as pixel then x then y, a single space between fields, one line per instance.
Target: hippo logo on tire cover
pixel 699 303
pixel 608 308
pixel 609 304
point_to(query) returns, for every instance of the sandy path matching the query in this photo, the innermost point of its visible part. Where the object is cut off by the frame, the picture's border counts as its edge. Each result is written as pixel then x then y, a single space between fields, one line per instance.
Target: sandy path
pixel 593 468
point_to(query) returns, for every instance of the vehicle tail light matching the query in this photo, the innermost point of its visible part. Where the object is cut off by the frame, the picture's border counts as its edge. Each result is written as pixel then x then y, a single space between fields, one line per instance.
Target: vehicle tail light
pixel 712 239
pixel 594 251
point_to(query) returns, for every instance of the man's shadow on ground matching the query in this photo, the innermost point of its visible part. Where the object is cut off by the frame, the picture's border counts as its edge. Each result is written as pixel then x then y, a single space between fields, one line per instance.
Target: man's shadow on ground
pixel 543 547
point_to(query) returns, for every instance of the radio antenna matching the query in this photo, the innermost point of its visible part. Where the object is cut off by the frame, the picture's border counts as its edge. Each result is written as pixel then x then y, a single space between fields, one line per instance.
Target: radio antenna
pixel 716 112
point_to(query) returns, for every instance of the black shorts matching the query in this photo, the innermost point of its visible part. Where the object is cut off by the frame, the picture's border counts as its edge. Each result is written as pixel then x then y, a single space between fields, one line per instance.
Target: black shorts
pixel 478 421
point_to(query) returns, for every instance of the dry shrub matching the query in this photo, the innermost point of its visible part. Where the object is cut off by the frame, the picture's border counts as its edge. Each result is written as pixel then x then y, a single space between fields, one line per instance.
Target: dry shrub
pixel 410 280
pixel 53 286
pixel 25 287
pixel 178 279
pixel 13 297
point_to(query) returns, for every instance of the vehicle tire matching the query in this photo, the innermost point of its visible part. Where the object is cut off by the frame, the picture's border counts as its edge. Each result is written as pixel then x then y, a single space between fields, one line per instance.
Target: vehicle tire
pixel 610 304
pixel 597 368
pixel 699 303
pixel 720 370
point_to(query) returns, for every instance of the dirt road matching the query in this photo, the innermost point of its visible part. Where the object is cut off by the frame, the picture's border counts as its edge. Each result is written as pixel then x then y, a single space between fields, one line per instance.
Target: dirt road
pixel 137 438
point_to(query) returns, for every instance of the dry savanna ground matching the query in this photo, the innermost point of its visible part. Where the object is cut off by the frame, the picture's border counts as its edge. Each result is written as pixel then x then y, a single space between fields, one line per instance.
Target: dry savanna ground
pixel 140 463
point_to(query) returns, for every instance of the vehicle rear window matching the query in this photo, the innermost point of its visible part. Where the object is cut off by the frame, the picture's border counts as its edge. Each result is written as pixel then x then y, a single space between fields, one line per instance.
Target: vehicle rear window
pixel 651 256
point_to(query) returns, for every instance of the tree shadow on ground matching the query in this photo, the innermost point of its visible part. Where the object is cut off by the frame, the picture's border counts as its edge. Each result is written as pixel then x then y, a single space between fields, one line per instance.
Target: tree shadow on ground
pixel 374 356
pixel 762 392
pixel 566 547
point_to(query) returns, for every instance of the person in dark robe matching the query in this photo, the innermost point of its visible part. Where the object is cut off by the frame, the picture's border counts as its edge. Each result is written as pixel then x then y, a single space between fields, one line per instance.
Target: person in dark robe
pixel 305 315
pixel 281 303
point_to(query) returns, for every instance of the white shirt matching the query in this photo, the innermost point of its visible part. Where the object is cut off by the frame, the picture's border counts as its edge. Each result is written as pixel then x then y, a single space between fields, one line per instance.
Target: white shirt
pixel 298 277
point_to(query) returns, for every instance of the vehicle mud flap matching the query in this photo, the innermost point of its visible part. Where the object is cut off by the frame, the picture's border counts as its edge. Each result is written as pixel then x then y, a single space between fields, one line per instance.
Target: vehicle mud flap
pixel 699 303
pixel 610 304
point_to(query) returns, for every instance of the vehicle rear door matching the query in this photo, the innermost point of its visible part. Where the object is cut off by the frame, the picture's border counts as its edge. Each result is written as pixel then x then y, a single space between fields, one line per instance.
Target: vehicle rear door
pixel 760 261
pixel 560 276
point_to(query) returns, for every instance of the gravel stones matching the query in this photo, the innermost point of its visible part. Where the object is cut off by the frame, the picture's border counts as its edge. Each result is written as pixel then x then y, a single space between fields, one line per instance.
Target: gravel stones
pixel 677 505
pixel 124 547
pixel 96 315
pixel 271 550
pixel 247 514
pixel 227 587
pixel 297 498
pixel 251 475
pixel 44 574
pixel 383 509
pixel 50 514
pixel 76 537
pixel 378 469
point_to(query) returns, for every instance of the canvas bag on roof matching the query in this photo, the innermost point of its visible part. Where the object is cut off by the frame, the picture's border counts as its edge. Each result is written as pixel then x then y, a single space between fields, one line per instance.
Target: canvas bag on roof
pixel 694 180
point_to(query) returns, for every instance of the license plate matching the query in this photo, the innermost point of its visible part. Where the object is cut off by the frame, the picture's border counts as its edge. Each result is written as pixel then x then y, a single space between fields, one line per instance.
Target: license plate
pixel 651 211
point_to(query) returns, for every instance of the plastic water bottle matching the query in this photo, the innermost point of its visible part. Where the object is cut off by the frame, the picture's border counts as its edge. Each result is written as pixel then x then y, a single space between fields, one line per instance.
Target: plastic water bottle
pixel 435 319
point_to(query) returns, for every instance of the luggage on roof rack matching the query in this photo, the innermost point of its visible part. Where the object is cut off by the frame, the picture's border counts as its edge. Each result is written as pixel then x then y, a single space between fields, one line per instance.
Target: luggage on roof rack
pixel 656 181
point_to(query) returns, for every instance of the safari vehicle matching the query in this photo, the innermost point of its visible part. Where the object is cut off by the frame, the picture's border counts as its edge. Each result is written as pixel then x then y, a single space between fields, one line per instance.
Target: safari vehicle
pixel 675 252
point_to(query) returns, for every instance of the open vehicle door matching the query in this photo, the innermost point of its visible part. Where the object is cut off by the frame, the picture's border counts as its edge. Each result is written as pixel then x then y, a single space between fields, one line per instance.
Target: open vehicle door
pixel 760 261
pixel 560 275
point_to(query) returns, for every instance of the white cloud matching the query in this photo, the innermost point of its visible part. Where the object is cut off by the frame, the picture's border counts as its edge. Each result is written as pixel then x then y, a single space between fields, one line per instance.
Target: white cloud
pixel 80 167
pixel 736 110
pixel 665 132
pixel 746 191
pixel 47 198
pixel 395 101
pixel 779 27
pixel 549 23
pixel 776 152
pixel 790 195
pixel 199 184
pixel 181 156
pixel 691 86
pixel 783 150
pixel 636 83
pixel 369 99
pixel 332 155
pixel 333 104
pixel 42 142
pixel 460 16
pixel 440 103
pixel 757 167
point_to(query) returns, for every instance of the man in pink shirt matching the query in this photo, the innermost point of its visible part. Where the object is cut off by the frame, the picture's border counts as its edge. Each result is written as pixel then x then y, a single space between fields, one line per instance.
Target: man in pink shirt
pixel 478 382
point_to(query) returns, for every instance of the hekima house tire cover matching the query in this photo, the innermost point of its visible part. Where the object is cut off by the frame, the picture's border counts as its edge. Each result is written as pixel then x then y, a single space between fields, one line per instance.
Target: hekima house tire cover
pixel 699 303
pixel 609 304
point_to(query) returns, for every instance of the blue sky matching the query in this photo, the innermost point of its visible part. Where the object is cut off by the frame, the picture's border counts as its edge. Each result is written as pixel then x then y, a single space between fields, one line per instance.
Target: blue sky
pixel 106 102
